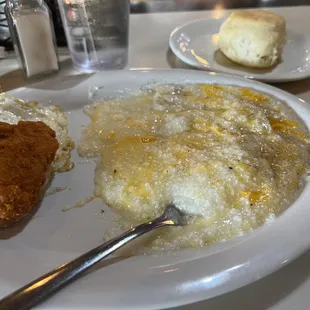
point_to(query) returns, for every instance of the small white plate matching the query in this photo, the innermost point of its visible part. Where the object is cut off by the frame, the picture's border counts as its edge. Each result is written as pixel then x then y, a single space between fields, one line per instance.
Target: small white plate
pixel 195 43
pixel 145 282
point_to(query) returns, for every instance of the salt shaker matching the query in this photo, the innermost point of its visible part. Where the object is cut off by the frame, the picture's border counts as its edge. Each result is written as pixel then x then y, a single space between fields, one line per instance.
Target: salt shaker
pixel 33 36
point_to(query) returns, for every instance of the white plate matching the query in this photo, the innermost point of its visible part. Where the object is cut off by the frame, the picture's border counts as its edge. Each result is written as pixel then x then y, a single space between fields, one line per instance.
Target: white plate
pixel 143 282
pixel 195 43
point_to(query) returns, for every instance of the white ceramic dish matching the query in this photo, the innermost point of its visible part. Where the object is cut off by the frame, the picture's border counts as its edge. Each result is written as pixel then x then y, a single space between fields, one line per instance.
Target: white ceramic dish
pixel 145 282
pixel 195 43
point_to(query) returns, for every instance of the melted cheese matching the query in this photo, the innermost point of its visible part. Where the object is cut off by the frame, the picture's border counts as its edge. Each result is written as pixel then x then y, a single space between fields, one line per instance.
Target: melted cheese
pixel 224 154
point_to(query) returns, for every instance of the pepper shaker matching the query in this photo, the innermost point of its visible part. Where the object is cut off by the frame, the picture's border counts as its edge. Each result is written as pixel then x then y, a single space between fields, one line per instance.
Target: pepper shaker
pixel 33 36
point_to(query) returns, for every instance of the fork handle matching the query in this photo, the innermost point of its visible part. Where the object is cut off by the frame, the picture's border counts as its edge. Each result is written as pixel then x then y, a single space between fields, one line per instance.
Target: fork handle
pixel 42 288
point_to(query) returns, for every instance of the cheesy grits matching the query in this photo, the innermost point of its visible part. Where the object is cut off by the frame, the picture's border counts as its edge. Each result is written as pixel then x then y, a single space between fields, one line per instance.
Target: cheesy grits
pixel 232 157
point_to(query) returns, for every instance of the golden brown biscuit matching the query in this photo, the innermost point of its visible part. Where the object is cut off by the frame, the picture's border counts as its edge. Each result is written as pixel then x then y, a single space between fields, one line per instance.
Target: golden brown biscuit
pixel 253 38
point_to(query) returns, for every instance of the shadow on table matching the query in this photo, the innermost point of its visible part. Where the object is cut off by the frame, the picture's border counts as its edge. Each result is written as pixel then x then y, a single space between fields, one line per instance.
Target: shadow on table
pixel 176 63
pixel 262 294
pixel 294 88
pixel 53 82
pixel 58 83
pixel 13 79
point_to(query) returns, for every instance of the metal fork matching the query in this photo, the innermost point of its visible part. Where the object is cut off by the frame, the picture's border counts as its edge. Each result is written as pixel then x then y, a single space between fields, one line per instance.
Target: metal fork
pixel 40 289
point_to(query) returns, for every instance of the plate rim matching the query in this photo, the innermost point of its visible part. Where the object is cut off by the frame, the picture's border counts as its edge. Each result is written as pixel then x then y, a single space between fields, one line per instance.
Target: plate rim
pixel 189 295
pixel 279 79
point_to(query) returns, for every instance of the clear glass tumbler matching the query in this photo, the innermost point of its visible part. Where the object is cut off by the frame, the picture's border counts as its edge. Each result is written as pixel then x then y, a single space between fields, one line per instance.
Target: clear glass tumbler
pixel 96 32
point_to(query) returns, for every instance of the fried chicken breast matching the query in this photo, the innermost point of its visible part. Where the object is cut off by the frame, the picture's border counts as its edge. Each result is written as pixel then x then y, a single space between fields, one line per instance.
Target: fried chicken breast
pixel 27 150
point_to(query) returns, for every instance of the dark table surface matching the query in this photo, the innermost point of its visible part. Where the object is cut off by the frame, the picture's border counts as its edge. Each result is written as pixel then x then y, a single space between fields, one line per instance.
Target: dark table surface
pixel 151 6
pixel 141 6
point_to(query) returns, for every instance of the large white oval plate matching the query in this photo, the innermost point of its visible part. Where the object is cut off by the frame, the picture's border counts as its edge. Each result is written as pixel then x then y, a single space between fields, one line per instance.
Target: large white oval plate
pixel 195 43
pixel 145 282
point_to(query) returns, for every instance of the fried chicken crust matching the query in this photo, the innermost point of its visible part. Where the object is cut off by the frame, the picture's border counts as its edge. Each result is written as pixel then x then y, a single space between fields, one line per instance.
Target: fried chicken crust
pixel 27 150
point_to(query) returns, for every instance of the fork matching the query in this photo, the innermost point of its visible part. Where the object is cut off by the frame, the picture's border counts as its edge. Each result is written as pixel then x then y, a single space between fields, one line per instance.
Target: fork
pixel 42 288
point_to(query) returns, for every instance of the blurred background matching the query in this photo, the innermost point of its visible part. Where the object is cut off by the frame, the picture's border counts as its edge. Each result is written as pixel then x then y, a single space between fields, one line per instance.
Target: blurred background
pixel 147 6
